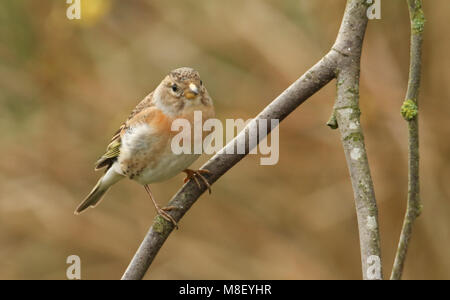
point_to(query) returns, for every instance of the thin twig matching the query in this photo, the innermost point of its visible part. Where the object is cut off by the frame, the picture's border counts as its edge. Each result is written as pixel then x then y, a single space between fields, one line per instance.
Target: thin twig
pixel 410 113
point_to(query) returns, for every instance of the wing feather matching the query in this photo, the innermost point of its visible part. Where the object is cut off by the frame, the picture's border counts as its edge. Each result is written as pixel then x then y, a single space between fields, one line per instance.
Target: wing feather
pixel 113 149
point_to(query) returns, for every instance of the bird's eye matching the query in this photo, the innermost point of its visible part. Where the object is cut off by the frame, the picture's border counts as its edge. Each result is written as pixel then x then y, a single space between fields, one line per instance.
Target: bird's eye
pixel 174 88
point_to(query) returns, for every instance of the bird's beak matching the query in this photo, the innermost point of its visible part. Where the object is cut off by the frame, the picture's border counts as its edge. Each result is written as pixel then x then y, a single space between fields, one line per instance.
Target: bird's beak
pixel 192 92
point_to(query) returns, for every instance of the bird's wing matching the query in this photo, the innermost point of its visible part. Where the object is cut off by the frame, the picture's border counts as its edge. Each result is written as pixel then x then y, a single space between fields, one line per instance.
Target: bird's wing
pixel 113 149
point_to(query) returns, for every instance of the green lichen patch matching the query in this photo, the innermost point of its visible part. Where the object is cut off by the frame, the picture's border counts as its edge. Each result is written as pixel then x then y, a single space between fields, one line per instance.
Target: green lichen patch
pixel 419 209
pixel 355 137
pixel 418 18
pixel 160 224
pixel 418 22
pixel 409 110
pixel 353 90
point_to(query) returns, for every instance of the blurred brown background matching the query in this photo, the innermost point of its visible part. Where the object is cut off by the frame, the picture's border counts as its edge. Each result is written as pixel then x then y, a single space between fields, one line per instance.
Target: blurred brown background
pixel 65 87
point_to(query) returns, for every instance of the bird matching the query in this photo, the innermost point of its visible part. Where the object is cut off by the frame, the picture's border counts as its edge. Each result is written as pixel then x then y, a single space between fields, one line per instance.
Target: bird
pixel 141 148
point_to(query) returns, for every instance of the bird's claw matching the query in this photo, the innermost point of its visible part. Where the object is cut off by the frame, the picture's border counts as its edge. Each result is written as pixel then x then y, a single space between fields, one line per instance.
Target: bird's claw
pixel 162 211
pixel 191 174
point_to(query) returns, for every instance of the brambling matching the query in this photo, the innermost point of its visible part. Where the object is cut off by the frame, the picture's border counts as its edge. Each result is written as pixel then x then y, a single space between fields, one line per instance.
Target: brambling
pixel 141 148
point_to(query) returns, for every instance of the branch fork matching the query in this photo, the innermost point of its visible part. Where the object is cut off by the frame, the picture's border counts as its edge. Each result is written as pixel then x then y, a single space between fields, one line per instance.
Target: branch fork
pixel 342 62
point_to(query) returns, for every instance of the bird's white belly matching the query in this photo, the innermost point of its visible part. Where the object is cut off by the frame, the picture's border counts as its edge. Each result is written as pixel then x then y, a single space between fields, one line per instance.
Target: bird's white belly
pixel 167 166
pixel 147 157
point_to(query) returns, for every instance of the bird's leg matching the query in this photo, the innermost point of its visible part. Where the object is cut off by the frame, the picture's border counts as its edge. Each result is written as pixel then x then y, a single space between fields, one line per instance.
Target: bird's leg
pixel 191 174
pixel 162 211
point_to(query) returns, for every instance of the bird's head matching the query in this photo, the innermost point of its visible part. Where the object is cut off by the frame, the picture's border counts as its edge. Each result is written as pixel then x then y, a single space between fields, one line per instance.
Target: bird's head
pixel 182 88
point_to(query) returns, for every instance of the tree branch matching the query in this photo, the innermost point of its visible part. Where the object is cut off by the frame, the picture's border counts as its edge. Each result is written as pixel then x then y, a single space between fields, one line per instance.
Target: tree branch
pixel 409 111
pixel 343 58
pixel 312 81
pixel 347 113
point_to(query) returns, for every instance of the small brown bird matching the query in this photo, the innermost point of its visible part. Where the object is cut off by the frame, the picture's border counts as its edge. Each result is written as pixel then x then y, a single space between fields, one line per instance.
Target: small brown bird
pixel 141 148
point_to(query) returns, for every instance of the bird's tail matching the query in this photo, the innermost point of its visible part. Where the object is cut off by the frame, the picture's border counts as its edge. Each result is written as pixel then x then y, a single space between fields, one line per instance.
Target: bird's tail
pixel 99 190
